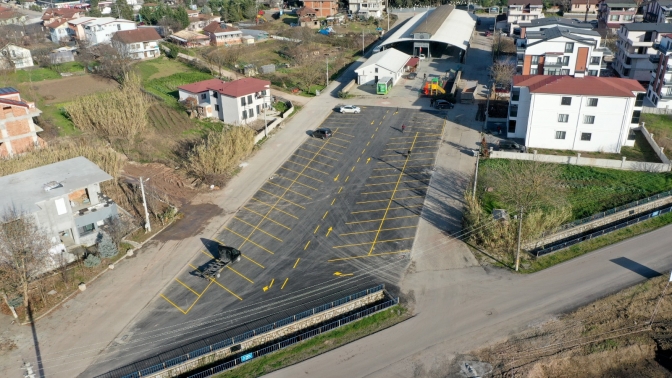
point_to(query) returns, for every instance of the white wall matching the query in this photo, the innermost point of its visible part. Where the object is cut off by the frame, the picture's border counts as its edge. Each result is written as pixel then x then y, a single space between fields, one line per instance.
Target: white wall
pixel 230 108
pixel 608 133
pixel 19 56
pixel 558 45
pixel 367 75
pixel 96 34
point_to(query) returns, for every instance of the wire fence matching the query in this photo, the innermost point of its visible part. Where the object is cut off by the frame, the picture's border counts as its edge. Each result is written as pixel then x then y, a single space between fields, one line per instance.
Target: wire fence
pixel 244 336
pixel 611 211
pixel 293 340
pixel 579 239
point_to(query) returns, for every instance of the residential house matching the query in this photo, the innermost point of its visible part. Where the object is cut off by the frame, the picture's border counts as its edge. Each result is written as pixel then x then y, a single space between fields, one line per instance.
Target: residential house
pixel 389 63
pixel 635 44
pixel 323 8
pixel 306 12
pixel 58 30
pixel 582 6
pixel 186 38
pixel 53 14
pixel 102 29
pixel 523 11
pixel 660 86
pixel 138 43
pixel 223 34
pixel 235 102
pixel 76 27
pixel 657 11
pixel 615 13
pixel 18 132
pixel 541 24
pixel 366 8
pixel 200 20
pixel 560 50
pixel 10 17
pixel 571 113
pixel 15 57
pixel 64 199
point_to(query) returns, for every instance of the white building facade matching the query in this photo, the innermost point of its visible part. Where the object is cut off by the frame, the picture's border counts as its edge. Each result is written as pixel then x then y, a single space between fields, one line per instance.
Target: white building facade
pixel 101 30
pixel 366 8
pixel 560 51
pixel 660 87
pixel 236 102
pixel 387 63
pixel 580 114
pixel 15 57
pixel 657 11
pixel 523 11
pixel 137 44
pixel 635 45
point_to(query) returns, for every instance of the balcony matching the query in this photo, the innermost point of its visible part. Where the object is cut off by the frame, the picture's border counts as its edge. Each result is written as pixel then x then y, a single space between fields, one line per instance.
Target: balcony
pixel 555 64
pixel 655 59
pixel 666 96
pixel 662 48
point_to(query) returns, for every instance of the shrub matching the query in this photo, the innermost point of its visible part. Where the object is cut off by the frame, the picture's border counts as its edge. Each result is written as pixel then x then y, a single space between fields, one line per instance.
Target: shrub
pixel 106 247
pixel 219 152
pixel 91 261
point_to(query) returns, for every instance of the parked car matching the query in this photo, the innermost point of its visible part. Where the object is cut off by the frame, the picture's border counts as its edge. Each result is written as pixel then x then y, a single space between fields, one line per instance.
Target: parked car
pixel 350 109
pixel 422 57
pixel 412 75
pixel 323 133
pixel 478 21
pixel 594 23
pixel 511 146
pixel 443 104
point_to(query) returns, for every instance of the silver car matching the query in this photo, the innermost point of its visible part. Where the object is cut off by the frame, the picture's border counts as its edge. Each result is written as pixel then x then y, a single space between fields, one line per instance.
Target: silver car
pixel 350 109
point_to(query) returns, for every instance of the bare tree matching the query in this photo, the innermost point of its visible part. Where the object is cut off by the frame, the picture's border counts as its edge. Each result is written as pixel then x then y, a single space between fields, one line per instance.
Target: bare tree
pixel 112 63
pixel 116 228
pixel 24 249
pixel 310 74
pixel 502 73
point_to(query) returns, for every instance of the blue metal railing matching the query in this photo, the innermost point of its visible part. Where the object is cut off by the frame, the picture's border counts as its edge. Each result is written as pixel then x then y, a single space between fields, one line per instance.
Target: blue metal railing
pixel 247 335
pixel 293 340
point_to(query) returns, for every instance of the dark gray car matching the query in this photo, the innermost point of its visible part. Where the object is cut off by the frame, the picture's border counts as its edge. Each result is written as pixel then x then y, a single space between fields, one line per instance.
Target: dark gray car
pixel 508 145
pixel 322 133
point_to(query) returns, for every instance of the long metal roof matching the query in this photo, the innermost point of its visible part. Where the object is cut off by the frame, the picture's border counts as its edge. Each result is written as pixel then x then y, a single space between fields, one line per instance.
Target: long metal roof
pixel 434 20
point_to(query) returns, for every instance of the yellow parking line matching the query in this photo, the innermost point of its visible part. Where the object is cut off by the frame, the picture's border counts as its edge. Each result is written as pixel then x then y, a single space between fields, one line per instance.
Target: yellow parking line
pixel 337 145
pixel 188 288
pixel 224 287
pixel 384 229
pixel 396 199
pixel 287 189
pixel 313 152
pixel 280 197
pixel 171 302
pixel 388 183
pixel 238 273
pixel 251 225
pixel 398 190
pixel 397 161
pixel 296 263
pixel 373 242
pixel 199 297
pixel 414 153
pixel 375 220
pixel 415 148
pixel 389 208
pixel 301 174
pixel 342 140
pixel 326 149
pixel 284 283
pixel 300 183
pixel 419 136
pixel 247 239
pixel 371 255
pixel 252 261
pixel 275 208
pixel 303 165
pixel 342 133
pixel 263 216
pixel 307 244
pixel 410 166
pixel 318 162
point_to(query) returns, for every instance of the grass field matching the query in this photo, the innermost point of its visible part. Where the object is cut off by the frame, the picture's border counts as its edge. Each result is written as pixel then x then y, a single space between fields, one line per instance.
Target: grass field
pixel 590 190
pixel 166 87
pixel 641 151
pixel 661 127
pixel 161 67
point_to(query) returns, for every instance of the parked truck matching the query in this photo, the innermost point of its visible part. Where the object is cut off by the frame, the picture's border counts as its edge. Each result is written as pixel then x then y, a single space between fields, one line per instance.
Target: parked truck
pixel 227 255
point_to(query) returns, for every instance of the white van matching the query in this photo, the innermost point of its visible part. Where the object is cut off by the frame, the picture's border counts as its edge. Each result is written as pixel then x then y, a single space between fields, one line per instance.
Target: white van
pixel 377 49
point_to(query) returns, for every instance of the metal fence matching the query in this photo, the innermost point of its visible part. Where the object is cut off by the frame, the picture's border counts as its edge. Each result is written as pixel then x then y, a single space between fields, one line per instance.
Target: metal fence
pixel 247 335
pixel 612 211
pixel 579 239
pixel 293 340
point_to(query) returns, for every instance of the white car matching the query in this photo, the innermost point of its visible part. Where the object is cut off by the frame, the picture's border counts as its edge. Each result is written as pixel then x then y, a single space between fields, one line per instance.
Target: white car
pixel 422 57
pixel 350 109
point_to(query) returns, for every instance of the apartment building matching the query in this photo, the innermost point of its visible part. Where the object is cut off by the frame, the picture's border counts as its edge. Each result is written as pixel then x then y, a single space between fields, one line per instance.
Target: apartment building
pixel 660 87
pixel 560 50
pixel 657 11
pixel 542 24
pixel 635 45
pixel 523 11
pixel 323 8
pixel 614 13
pixel 137 44
pixel 571 113
pixel 101 30
pixel 18 132
pixel 366 8
pixel 235 102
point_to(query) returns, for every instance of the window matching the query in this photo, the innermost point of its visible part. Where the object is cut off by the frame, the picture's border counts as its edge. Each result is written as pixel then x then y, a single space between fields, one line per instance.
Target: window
pixel 85 230
pixel 60 206
pixel 595 60
pixel 566 101
pixel 640 100
pixel 592 72
pixel 563 118
pixel 242 101
pixel 203 96
pixel 533 71
pixel 560 134
pixel 515 94
pixel 586 136
pixel 564 72
pixel 632 135
pixel 376 69
pixel 118 27
pixel 251 113
pixel 588 119
pixel 216 108
pixel 627 17
pixel 626 72
pixel 592 102
pixel 635 116
pixel 513 111
pixel 214 94
pixel 565 60
pixel 613 17
pixel 244 114
pixel 249 99
pixel 535 59
pixel 569 47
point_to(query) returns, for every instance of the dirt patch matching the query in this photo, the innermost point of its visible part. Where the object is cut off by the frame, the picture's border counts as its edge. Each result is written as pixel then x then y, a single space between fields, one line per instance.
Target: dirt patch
pixel 167 183
pixel 195 218
pixel 612 337
pixel 69 88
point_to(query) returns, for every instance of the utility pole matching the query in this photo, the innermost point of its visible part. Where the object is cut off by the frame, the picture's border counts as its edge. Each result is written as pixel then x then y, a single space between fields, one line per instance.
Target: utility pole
pixel 148 227
pixel 325 87
pixel 520 230
pixel 387 8
pixel 473 194
pixel 362 41
pixel 585 17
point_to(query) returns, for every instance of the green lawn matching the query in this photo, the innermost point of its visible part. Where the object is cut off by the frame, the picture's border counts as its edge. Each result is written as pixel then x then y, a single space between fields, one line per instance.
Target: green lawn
pixel 591 190
pixel 661 128
pixel 38 74
pixel 166 87
pixel 641 151
pixel 69 67
pixel 53 114
pixel 161 67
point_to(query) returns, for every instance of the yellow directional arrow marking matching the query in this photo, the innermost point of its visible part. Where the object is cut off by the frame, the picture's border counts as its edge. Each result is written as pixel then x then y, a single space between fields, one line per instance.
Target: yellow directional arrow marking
pixel 336 178
pixel 368 160
pixel 339 274
pixel 329 230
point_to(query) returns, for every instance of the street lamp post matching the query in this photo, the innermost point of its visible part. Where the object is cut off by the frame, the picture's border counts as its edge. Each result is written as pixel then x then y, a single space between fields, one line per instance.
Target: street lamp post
pixel 325 87
pixel 148 226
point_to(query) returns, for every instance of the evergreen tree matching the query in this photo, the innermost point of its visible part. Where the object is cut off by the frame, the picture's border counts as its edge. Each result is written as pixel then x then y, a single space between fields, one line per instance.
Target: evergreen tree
pixel 181 16
pixel 121 9
pixel 91 261
pixel 106 247
pixel 94 11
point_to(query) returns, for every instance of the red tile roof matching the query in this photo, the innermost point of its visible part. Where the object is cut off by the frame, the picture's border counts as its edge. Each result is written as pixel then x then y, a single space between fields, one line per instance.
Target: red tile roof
pixel 137 35
pixel 57 23
pixel 215 27
pixel 589 85
pixel 13 102
pixel 236 88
